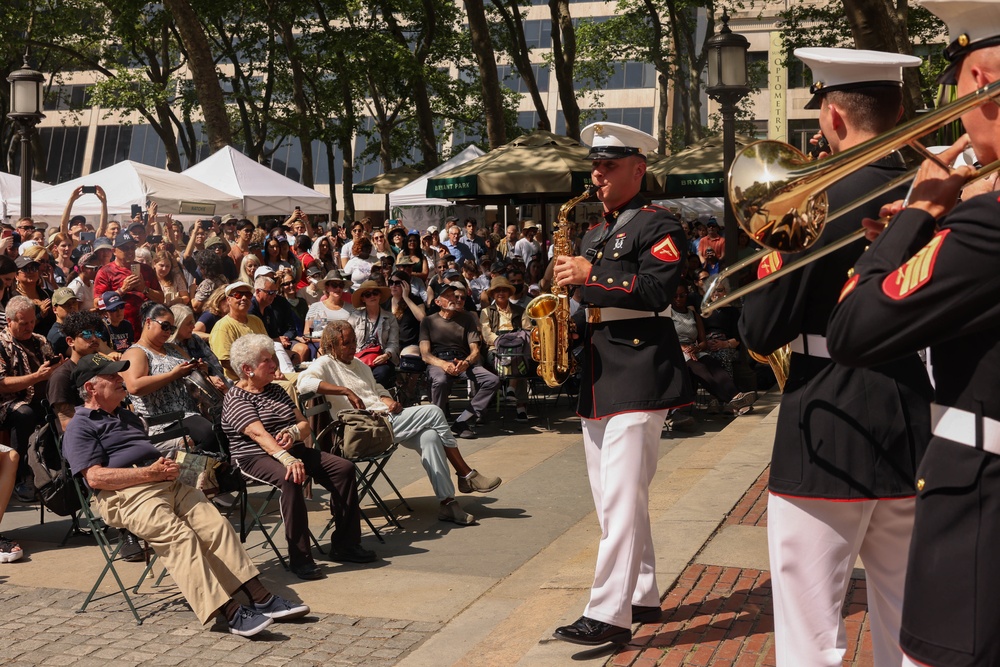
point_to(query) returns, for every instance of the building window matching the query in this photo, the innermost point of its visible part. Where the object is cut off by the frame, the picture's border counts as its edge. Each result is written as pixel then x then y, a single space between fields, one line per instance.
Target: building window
pixel 799 76
pixel 640 118
pixel 757 69
pixel 63 148
pixel 801 131
pixel 510 78
pixel 624 75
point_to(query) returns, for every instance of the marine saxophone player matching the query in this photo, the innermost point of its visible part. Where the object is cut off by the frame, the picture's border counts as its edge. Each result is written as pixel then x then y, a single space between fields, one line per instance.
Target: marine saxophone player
pixel 632 373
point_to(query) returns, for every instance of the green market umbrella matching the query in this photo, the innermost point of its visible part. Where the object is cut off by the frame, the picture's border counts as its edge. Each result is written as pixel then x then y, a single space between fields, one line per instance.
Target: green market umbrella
pixel 388 182
pixel 696 171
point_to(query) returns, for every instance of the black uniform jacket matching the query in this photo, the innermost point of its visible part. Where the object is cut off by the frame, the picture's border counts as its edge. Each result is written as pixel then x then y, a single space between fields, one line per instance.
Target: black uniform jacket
pixel 843 433
pixel 918 286
pixel 636 364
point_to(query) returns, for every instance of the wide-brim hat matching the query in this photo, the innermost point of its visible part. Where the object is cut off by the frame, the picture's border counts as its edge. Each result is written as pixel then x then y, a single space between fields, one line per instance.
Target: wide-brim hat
pixel 406 260
pixel 499 282
pixel 850 69
pixel 611 141
pixel 356 299
pixel 334 275
pixel 528 224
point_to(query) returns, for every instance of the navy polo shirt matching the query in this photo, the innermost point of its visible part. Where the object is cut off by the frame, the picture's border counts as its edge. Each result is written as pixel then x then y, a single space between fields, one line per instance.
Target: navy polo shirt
pixel 94 437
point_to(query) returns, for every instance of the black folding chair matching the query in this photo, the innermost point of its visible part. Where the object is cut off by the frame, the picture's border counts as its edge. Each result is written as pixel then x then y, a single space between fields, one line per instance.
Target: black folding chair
pixel 328 434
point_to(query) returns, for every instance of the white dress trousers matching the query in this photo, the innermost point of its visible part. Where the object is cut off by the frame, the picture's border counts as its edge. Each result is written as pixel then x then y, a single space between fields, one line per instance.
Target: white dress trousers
pixel 622 451
pixel 813 545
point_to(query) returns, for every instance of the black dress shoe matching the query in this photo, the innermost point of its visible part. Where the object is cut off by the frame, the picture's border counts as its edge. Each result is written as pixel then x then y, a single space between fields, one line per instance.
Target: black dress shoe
pixel 132 551
pixel 589 632
pixel 352 553
pixel 308 571
pixel 642 614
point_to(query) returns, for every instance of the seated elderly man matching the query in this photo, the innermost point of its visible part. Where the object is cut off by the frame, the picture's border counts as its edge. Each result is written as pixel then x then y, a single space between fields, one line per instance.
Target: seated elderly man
pixel 136 489
pixel 450 346
pixel 266 435
pixel 347 382
pixel 26 363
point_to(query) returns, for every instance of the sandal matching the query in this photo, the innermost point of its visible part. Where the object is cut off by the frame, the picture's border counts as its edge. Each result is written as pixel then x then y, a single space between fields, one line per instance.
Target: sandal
pixel 10 551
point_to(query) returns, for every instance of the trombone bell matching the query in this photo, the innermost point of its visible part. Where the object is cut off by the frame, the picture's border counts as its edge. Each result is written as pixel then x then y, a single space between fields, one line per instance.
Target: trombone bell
pixel 770 198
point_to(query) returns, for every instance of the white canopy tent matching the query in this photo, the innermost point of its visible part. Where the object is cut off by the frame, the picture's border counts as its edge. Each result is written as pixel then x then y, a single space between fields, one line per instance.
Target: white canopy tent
pixel 128 183
pixel 415 192
pixel 263 191
pixel 10 188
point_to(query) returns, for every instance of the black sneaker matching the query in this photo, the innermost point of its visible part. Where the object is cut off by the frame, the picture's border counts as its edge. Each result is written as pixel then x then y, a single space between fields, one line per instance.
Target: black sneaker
pixel 25 492
pixel 463 429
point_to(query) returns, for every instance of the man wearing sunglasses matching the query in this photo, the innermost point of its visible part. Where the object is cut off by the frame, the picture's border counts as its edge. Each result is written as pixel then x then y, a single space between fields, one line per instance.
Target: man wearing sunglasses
pixel 279 319
pixel 238 322
pixel 82 332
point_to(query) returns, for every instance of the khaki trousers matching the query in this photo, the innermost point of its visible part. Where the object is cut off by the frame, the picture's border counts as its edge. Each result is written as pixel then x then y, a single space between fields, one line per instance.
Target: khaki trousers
pixel 198 546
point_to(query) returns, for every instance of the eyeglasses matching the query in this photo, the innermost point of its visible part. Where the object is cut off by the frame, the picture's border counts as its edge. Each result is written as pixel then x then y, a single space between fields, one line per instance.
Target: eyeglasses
pixel 166 326
pixel 269 292
pixel 240 295
pixel 88 334
pixel 370 293
pixel 377 238
pixel 288 284
pixel 396 283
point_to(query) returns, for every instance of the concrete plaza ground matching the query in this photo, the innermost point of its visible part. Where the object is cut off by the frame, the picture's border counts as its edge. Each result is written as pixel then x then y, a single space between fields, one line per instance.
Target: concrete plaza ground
pixel 484 595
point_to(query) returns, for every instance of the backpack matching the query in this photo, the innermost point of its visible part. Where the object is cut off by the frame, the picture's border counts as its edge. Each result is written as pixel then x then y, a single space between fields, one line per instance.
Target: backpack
pixel 513 354
pixel 53 479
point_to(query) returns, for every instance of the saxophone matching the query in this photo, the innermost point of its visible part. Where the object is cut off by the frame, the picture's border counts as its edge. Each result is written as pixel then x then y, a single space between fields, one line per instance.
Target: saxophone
pixel 550 337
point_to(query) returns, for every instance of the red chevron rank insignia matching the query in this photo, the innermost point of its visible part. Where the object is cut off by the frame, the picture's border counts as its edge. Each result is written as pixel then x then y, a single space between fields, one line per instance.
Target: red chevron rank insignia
pixel 849 286
pixel 917 271
pixel 769 265
pixel 666 251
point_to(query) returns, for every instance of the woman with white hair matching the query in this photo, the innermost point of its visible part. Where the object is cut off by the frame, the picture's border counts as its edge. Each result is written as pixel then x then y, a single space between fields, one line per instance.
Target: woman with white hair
pixel 267 436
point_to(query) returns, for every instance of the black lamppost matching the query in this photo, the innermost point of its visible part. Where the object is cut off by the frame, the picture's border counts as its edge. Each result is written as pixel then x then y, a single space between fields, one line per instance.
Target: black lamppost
pixel 26 112
pixel 727 85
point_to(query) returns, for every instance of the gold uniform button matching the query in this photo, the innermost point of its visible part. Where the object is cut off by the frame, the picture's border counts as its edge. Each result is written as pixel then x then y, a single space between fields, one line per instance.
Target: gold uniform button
pixel 920 484
pixel 635 341
pixel 610 280
pixel 616 254
pixel 594 278
pixel 601 254
pixel 624 283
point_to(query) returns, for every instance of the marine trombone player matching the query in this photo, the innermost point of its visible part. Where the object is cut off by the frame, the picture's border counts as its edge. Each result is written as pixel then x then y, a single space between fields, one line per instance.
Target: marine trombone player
pixel 632 373
pixel 847 439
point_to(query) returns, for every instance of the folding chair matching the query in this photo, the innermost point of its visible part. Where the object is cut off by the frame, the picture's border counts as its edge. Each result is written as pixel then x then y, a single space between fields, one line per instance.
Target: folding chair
pixel 50 418
pixel 95 525
pixel 368 469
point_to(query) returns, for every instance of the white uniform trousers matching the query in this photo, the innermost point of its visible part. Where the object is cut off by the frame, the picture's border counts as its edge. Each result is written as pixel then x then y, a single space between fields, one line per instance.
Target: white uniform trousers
pixel 813 546
pixel 622 452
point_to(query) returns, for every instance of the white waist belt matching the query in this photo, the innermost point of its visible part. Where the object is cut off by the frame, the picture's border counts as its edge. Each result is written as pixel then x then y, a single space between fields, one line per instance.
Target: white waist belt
pixel 615 314
pixel 960 426
pixel 810 344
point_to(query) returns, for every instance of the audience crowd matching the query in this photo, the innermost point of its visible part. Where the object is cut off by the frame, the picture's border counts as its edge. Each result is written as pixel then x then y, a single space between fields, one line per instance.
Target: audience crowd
pixel 224 320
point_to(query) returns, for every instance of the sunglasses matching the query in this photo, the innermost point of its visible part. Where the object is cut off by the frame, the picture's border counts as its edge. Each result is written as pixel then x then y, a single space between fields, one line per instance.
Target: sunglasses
pixel 88 334
pixel 370 293
pixel 269 292
pixel 397 283
pixel 240 295
pixel 166 326
pixel 288 284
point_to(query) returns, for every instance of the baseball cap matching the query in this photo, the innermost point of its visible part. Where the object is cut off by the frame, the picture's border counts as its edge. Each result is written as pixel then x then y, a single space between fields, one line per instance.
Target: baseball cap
pixel 214 241
pixel 23 261
pixel 103 242
pixel 111 301
pixel 136 225
pixel 232 287
pixel 89 260
pixel 63 295
pixel 93 365
pixel 124 239
pixel 262 271
pixel 444 287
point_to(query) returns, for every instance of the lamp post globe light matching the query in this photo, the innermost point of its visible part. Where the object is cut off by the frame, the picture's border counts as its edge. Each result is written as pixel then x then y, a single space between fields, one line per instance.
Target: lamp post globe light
pixel 727 85
pixel 26 112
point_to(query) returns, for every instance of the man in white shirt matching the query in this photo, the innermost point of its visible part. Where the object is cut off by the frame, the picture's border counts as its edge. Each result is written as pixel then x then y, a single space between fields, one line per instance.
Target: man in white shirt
pixel 347 382
pixel 527 248
pixel 83 284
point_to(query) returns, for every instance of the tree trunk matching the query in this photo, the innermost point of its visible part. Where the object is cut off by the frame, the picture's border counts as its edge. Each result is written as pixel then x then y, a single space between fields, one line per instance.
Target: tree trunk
pixel 302 125
pixel 347 170
pixel 520 56
pixel 482 46
pixel 879 25
pixel 203 74
pixel 564 57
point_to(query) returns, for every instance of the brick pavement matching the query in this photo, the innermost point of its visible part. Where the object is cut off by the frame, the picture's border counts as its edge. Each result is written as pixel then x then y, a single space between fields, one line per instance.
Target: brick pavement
pixel 722 616
pixel 42 627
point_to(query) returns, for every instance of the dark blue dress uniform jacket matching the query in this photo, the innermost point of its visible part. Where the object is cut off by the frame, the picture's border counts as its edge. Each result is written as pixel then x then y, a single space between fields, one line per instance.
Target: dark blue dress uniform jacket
pixel 636 364
pixel 842 433
pixel 918 286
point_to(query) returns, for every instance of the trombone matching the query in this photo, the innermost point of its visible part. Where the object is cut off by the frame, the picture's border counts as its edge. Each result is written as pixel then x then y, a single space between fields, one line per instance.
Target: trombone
pixel 779 197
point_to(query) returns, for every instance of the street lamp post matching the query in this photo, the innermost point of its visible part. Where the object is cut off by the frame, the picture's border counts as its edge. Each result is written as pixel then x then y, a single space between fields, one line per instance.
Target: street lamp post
pixel 727 85
pixel 26 112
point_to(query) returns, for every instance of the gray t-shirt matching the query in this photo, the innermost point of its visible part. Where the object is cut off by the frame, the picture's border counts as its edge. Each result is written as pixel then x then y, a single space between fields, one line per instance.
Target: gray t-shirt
pixel 450 339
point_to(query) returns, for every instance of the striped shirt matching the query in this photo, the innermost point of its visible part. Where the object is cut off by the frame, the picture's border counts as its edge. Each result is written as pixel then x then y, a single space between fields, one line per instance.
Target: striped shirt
pixel 272 407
